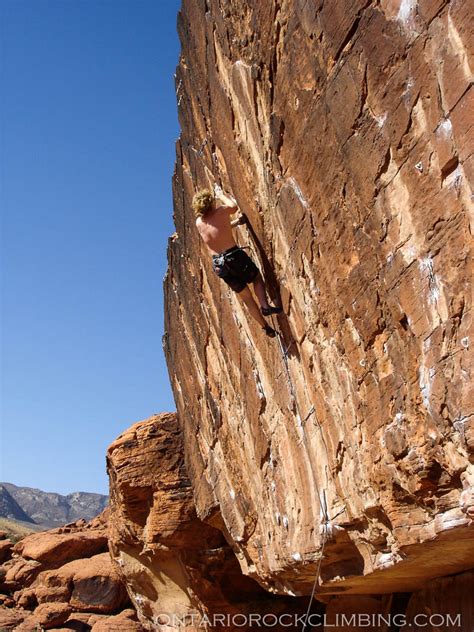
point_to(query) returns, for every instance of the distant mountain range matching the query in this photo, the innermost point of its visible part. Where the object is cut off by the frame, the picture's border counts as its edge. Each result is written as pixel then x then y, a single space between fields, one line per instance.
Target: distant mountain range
pixel 27 504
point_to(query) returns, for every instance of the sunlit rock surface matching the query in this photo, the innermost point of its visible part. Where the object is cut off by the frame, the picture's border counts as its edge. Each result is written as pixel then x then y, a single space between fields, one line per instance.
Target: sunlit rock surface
pixel 344 130
pixel 63 579
pixel 175 567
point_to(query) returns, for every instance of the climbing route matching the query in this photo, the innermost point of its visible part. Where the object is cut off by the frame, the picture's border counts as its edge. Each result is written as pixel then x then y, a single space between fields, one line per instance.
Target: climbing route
pixel 295 407
pixel 326 528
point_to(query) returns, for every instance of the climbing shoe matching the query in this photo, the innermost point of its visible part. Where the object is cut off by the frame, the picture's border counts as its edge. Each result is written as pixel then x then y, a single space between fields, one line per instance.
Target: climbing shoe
pixel 268 311
pixel 269 331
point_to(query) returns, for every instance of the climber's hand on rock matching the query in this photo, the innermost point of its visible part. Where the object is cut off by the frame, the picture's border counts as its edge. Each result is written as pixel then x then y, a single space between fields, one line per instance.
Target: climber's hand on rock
pixel 228 200
pixel 242 219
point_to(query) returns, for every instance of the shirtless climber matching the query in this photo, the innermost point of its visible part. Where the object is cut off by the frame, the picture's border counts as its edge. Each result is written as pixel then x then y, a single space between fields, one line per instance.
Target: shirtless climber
pixel 229 261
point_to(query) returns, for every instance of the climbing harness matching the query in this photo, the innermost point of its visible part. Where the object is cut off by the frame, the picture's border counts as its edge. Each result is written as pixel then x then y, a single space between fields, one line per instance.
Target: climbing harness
pixel 226 254
pixel 220 261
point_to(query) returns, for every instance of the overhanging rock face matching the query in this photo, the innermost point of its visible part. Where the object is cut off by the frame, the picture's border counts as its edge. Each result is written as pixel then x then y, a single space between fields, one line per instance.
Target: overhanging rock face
pixel 344 130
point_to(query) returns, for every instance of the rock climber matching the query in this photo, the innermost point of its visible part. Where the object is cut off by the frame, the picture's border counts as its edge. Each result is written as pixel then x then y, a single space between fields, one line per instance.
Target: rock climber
pixel 229 261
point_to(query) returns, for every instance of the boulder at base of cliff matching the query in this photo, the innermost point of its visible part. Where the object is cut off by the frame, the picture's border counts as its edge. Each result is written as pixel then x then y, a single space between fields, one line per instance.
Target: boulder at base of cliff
pixel 6 547
pixel 90 584
pixel 10 618
pixel 172 563
pixel 56 549
pixel 46 616
pixel 126 621
pixel 39 590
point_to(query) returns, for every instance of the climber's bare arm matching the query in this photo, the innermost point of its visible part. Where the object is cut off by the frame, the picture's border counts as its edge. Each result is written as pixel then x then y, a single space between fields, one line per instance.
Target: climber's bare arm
pixel 228 203
pixel 239 220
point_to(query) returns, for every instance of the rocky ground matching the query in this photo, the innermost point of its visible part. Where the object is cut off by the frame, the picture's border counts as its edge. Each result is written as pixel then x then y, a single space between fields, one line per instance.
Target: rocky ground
pixel 63 579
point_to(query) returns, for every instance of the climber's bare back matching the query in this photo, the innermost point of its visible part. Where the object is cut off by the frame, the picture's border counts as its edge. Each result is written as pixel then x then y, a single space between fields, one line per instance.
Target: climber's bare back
pixel 216 230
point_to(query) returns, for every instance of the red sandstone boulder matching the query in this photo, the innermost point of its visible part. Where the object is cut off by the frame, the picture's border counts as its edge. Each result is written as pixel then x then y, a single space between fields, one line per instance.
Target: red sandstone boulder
pixel 26 598
pixel 56 549
pixel 46 616
pixel 47 594
pixel 20 573
pixel 90 584
pixel 344 130
pixel 97 586
pixel 36 580
pixel 126 621
pixel 11 618
pixel 5 550
pixel 171 562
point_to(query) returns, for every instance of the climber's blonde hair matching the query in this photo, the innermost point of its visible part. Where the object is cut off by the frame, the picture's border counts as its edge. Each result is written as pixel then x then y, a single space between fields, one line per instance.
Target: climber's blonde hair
pixel 202 202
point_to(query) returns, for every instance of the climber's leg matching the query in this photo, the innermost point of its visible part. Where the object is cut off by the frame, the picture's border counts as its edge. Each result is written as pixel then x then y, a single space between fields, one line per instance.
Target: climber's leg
pixel 249 301
pixel 259 287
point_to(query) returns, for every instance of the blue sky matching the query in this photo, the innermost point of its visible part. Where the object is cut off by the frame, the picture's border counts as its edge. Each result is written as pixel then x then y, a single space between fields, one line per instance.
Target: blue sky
pixel 88 131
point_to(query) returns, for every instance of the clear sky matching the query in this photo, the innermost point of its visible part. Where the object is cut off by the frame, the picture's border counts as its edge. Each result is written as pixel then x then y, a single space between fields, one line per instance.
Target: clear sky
pixel 88 131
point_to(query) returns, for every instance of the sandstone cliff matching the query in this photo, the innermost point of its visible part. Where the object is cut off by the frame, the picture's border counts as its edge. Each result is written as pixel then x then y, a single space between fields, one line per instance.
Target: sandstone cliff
pixel 344 130
pixel 175 566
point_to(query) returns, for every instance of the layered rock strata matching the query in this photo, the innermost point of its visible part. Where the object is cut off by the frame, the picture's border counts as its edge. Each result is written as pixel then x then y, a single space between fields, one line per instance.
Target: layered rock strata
pixel 177 569
pixel 344 130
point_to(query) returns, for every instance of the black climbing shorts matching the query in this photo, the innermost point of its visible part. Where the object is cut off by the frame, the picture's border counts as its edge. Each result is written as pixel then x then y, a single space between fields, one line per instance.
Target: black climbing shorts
pixel 235 267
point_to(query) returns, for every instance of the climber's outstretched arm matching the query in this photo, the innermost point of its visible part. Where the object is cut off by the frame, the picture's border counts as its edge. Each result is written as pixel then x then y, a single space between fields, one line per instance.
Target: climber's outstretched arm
pixel 242 219
pixel 229 202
